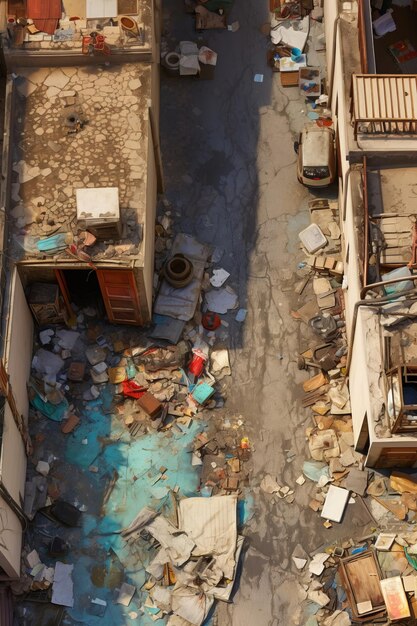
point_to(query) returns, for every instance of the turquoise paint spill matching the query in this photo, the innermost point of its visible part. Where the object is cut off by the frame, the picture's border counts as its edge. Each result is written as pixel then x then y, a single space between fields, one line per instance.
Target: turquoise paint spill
pixel 136 463
pixel 245 509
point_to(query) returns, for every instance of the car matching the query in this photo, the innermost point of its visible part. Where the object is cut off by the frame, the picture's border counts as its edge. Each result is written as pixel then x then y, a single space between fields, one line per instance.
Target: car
pixel 316 163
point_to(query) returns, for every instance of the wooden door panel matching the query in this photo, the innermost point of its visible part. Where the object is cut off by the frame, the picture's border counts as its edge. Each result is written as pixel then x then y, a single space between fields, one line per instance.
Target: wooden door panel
pixel 120 295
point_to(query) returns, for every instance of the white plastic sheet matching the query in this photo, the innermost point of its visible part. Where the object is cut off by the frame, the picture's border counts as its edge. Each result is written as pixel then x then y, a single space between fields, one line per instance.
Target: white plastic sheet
pixel 211 524
pixel 63 587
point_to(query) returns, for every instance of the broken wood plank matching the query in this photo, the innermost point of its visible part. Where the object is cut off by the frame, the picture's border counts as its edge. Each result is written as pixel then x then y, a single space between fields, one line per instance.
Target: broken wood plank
pixel 314 383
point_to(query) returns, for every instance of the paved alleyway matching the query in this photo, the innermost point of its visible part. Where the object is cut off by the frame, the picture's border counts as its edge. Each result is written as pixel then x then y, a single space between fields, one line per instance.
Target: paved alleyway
pixel 230 176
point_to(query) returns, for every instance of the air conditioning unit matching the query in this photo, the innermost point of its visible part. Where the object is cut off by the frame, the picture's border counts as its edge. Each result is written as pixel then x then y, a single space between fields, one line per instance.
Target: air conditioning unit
pixel 98 211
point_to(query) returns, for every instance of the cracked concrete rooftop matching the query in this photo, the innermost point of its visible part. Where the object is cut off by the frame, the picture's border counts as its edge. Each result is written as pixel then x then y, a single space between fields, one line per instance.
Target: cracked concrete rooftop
pixel 51 161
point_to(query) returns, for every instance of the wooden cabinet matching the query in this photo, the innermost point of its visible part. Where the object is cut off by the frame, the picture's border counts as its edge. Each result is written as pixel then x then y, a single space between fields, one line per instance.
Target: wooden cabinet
pixel 45 302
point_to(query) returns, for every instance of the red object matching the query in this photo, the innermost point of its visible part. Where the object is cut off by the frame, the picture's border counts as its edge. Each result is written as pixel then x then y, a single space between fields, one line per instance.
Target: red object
pixel 132 389
pixel 211 320
pixel 196 366
pixel 324 122
pixel 45 14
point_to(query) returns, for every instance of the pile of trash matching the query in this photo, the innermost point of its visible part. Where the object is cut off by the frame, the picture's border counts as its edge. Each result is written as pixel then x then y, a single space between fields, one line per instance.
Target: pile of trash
pixel 96 388
pixel 194 561
pixel 372 579
pixel 154 386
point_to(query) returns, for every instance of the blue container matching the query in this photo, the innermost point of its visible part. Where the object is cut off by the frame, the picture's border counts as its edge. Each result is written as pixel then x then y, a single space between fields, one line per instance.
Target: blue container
pixel 296 55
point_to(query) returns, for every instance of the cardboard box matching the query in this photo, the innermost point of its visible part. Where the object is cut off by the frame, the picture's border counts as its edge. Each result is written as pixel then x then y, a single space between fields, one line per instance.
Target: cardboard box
pixel 150 405
pixel 395 598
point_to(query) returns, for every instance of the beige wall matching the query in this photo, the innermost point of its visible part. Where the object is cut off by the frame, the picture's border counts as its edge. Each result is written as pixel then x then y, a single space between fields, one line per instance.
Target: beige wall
pixel 360 398
pixel 3 15
pixel 366 395
pixel 19 339
pixel 338 106
pixel 17 358
pixel 331 12
pixel 379 445
pixel 11 537
pixel 351 252
pixel 149 227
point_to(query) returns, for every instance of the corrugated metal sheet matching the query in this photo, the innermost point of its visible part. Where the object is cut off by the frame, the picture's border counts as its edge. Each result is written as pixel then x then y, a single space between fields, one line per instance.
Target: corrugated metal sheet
pixel 45 14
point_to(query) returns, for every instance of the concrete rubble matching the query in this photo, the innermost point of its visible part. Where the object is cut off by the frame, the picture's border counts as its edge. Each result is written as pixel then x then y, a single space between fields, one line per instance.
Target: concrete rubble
pixel 330 589
pixel 97 392
pixel 139 484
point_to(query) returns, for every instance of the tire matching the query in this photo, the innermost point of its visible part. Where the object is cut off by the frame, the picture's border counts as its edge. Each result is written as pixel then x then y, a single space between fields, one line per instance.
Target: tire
pixel 172 60
pixel 178 271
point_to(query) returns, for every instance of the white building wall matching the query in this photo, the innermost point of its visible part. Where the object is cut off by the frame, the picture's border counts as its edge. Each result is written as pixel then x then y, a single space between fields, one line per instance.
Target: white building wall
pixel 11 541
pixel 149 226
pixel 351 254
pixel 331 12
pixel 378 445
pixel 360 399
pixel 18 352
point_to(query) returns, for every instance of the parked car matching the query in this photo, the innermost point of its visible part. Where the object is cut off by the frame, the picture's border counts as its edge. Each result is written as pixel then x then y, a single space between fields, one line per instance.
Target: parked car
pixel 316 163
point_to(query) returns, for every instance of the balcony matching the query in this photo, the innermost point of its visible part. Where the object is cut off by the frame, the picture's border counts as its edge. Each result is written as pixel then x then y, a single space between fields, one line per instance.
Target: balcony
pixel 384 105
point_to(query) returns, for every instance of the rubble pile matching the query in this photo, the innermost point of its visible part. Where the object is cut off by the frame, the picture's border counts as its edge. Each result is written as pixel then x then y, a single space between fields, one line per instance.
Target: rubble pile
pixel 194 562
pixel 369 578
pixel 166 382
pixel 372 578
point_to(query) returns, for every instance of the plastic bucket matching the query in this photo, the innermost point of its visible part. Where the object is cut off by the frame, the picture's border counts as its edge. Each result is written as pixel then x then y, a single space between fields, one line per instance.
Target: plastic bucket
pixel 129 25
pixel 296 54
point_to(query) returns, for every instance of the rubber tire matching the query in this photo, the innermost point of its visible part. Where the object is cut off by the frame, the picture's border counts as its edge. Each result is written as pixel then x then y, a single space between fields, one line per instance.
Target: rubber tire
pixel 172 65
pixel 181 278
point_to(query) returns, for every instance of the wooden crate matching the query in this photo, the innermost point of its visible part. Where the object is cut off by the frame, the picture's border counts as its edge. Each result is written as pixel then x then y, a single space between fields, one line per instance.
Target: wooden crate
pixel 289 79
pixel 361 575
pixel 45 303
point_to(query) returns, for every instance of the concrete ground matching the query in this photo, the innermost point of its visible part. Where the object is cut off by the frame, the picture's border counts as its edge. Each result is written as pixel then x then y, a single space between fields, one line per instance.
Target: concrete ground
pixel 231 179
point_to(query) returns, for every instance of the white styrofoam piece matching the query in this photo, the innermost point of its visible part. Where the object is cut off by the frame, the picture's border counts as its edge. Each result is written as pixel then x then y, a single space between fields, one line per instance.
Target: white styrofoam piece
pixel 335 503
pixel 101 8
pixel 312 238
pixel 100 203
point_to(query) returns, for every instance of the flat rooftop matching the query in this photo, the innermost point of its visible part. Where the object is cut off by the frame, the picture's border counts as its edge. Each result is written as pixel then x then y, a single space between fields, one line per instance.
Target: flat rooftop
pixel 373 136
pixel 392 200
pixel 390 336
pixel 124 24
pixel 74 128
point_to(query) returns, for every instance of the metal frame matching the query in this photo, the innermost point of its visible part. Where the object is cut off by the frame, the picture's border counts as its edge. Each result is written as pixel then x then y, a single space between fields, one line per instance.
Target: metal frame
pixel 400 425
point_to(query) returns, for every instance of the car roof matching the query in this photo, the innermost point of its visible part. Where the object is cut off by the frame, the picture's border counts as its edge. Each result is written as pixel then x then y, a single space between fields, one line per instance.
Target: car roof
pixel 316 145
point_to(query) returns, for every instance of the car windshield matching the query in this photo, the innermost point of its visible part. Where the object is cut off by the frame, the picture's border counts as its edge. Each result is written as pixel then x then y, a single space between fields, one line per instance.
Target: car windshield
pixel 316 173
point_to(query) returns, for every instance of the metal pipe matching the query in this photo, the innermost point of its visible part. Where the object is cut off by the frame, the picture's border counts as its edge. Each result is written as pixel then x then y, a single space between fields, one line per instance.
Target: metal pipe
pixel 370 303
pixel 390 281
